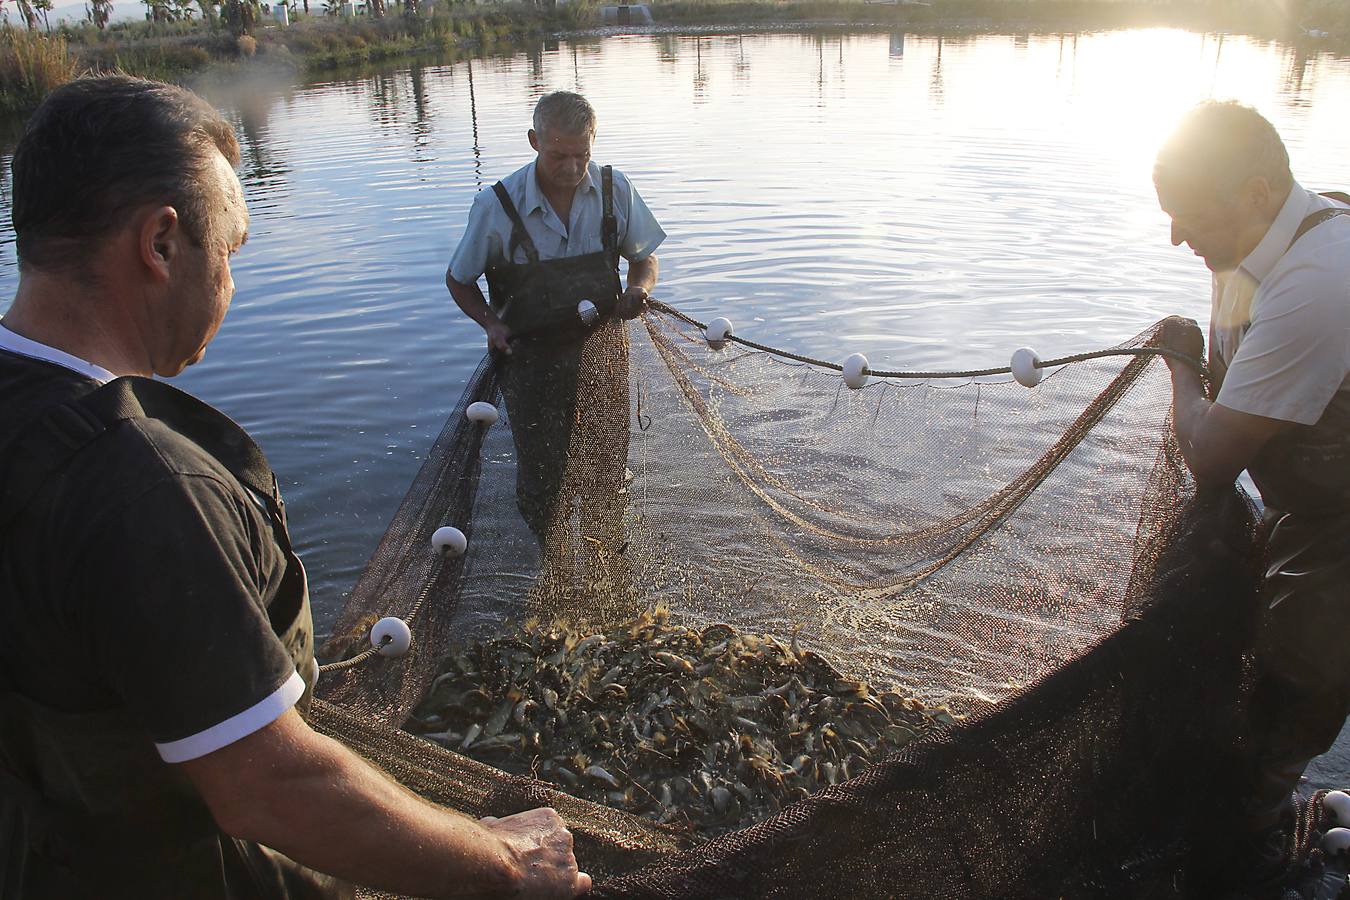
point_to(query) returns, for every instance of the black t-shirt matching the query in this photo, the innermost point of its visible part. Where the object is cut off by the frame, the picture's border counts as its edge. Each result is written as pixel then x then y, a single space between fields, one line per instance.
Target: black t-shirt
pixel 139 576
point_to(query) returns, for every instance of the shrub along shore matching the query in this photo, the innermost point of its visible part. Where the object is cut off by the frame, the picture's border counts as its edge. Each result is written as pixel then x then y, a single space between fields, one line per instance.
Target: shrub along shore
pixel 193 42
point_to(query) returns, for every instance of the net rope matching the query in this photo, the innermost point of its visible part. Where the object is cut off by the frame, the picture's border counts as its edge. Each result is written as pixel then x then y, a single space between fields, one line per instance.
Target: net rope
pixel 1164 352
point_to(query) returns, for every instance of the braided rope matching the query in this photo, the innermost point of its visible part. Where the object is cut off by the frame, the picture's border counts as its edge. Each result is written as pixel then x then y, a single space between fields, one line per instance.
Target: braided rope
pixel 355 660
pixel 375 650
pixel 1165 352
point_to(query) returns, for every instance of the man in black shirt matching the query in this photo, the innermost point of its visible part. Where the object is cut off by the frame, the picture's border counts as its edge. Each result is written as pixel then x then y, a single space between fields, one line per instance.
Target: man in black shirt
pixel 158 635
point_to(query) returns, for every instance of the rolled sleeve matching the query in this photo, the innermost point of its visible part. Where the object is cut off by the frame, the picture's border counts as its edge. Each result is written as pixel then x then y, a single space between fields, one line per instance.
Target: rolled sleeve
pixel 470 259
pixel 1296 354
pixel 642 233
pixel 238 726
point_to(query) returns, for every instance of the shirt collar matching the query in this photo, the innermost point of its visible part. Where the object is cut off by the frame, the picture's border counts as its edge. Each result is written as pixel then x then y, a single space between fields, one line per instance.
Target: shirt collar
pixel 534 195
pixel 22 346
pixel 1262 260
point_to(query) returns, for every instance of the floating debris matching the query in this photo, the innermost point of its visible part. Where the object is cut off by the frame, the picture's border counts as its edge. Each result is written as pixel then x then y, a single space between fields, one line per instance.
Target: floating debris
pixel 712 729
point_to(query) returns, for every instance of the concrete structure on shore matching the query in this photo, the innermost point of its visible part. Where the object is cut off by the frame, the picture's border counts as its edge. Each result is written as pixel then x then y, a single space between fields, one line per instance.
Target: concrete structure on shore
pixel 626 14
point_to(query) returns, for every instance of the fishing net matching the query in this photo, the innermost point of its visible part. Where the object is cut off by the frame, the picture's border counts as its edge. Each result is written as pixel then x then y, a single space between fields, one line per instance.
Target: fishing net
pixel 1036 561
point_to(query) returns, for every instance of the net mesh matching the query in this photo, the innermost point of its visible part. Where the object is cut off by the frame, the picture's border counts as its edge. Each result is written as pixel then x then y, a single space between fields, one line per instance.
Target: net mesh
pixel 1033 559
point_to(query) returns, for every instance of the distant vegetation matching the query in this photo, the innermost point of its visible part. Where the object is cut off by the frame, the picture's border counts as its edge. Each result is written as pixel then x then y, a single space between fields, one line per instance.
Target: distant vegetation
pixel 181 39
pixel 1325 21
pixel 34 60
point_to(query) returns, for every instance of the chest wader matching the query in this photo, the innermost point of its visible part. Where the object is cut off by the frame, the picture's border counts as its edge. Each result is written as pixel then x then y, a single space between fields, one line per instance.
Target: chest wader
pixel 1303 695
pixel 87 807
pixel 553 356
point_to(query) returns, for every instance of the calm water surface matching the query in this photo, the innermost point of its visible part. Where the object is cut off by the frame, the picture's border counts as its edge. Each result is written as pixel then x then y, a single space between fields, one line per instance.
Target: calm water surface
pixel 929 201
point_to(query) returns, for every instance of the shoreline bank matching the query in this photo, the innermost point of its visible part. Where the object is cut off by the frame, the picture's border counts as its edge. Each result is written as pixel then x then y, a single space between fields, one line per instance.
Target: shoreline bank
pixel 33 61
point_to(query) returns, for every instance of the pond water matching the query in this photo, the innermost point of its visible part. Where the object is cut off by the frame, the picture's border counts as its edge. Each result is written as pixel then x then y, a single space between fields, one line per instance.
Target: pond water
pixel 931 201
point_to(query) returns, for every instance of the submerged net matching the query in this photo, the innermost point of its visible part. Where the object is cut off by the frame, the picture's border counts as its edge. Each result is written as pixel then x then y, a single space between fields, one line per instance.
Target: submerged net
pixel 1034 560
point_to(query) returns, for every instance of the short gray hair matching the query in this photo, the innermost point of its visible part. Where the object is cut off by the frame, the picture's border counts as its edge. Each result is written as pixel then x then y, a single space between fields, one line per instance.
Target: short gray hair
pixel 1225 143
pixel 563 112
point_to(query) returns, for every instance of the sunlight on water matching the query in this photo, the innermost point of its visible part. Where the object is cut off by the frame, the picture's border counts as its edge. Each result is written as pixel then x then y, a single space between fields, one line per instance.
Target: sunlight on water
pixel 931 201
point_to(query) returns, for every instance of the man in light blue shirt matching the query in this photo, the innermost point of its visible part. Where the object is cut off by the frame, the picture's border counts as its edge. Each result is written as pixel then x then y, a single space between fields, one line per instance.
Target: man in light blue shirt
pixel 559 200
pixel 549 238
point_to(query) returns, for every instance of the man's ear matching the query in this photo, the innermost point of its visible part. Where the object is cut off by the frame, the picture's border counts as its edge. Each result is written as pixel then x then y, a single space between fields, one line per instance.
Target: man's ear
pixel 158 240
pixel 534 140
pixel 1256 192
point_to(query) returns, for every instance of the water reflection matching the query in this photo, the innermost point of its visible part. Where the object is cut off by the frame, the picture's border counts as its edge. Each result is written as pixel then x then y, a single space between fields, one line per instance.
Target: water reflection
pixel 740 69
pixel 931 200
pixel 421 125
pixel 700 72
pixel 261 172
pixel 473 117
pixel 1301 70
pixel 935 80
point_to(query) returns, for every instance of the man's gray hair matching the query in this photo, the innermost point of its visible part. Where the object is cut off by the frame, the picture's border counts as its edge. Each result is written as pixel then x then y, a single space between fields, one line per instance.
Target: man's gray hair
pixel 1225 143
pixel 563 112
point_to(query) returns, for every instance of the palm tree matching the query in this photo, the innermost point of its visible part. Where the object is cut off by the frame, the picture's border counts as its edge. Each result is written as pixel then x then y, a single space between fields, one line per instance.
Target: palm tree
pixel 30 16
pixel 98 12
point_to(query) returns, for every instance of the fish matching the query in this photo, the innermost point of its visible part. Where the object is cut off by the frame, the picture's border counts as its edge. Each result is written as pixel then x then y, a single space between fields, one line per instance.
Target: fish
pixel 702 728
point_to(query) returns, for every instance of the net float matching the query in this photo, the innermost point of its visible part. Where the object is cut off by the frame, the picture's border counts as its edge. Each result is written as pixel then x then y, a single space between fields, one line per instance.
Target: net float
pixel 1337 806
pixel 1024 367
pixel 449 540
pixel 588 312
pixel 480 411
pixel 717 332
pixel 391 636
pixel 856 371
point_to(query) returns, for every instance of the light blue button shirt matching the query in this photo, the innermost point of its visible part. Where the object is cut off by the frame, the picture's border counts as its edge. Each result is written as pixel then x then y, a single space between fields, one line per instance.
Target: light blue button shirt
pixel 488 232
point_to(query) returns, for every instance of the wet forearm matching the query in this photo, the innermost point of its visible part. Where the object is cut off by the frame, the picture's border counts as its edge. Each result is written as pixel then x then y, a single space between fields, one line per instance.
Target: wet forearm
pixel 643 274
pixel 470 299
pixel 1216 441
pixel 1189 406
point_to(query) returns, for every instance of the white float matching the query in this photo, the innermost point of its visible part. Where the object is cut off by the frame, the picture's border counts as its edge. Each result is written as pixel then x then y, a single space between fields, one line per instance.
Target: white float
pixel 1024 367
pixel 1337 806
pixel 856 371
pixel 391 636
pixel 481 411
pixel 717 332
pixel 588 312
pixel 449 540
pixel 1336 841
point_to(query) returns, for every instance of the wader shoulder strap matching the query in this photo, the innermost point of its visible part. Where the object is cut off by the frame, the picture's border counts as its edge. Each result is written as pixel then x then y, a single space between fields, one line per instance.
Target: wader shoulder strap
pixel 519 236
pixel 609 225
pixel 45 446
pixel 1321 216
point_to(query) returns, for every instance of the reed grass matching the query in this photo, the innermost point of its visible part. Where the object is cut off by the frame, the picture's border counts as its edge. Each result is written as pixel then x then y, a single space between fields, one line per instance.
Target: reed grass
pixel 31 64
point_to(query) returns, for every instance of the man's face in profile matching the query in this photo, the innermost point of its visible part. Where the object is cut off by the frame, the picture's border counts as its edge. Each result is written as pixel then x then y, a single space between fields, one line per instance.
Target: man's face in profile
pixel 1202 219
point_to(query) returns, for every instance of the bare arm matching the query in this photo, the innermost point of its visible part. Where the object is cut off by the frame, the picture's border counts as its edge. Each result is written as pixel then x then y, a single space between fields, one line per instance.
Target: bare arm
pixel 641 280
pixel 470 299
pixel 309 797
pixel 1217 442
pixel 642 274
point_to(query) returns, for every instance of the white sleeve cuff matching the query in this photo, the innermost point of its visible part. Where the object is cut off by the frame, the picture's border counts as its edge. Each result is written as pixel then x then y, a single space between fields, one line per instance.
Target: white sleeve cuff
pixel 241 725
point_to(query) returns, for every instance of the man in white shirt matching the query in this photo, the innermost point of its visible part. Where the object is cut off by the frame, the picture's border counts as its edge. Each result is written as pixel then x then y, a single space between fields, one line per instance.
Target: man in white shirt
pixel 1280 362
